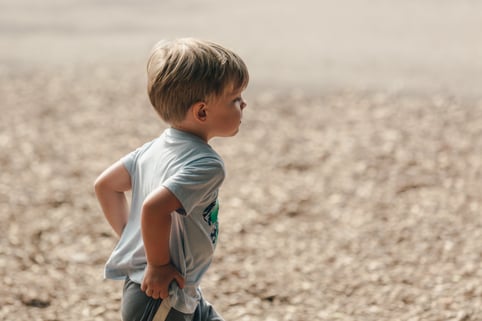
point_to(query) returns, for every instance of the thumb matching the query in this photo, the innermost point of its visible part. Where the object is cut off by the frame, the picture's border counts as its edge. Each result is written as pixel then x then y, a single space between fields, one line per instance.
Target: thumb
pixel 179 280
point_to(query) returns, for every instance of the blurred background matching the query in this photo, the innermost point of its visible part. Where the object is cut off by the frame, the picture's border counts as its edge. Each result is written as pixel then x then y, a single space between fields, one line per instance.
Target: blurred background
pixel 353 187
pixel 414 45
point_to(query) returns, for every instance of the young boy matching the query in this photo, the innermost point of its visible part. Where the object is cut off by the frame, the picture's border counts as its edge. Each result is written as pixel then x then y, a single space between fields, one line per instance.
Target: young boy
pixel 168 236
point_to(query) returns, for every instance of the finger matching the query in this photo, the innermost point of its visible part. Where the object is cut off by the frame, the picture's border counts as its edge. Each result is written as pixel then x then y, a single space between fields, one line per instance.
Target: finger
pixel 163 294
pixel 155 295
pixel 143 287
pixel 148 292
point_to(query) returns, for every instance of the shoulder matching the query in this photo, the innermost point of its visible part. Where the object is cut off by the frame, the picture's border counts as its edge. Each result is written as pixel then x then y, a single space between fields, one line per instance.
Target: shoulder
pixel 131 158
pixel 207 165
pixel 206 157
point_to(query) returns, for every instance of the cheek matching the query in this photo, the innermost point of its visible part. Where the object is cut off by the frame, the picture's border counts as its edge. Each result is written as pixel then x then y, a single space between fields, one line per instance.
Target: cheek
pixel 232 115
pixel 232 120
pixel 238 115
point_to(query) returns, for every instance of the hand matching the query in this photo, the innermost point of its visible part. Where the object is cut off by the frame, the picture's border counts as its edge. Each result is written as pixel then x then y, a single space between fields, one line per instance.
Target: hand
pixel 157 280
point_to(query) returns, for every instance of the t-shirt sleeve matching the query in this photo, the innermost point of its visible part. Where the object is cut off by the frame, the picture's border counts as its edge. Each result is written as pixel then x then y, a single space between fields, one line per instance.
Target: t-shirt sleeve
pixel 196 181
pixel 129 161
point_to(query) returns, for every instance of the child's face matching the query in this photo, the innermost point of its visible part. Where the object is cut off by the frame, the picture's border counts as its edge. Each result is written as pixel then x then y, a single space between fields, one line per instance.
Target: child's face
pixel 225 112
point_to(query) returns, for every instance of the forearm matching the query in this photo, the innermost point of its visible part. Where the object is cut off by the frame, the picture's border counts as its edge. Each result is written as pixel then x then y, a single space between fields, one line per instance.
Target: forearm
pixel 156 225
pixel 115 208
pixel 109 189
pixel 156 231
pixel 156 228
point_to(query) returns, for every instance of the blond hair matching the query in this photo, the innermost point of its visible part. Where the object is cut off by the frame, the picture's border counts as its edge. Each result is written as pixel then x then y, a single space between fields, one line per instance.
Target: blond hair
pixel 185 71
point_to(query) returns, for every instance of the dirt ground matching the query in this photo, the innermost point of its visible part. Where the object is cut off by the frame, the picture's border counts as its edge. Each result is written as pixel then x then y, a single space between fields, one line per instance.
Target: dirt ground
pixel 345 205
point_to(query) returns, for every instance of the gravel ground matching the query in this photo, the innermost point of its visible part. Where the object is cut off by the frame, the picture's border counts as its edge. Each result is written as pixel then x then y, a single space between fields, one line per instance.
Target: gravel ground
pixel 337 206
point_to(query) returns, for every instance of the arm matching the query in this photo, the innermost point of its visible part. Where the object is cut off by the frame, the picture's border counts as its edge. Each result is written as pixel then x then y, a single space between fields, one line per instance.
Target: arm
pixel 109 189
pixel 156 230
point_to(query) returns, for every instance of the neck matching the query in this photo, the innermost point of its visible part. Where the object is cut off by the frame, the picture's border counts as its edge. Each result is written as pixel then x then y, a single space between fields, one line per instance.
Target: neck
pixel 194 131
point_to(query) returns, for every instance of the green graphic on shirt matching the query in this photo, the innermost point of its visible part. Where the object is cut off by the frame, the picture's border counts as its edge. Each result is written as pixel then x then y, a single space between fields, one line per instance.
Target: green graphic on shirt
pixel 214 213
pixel 210 216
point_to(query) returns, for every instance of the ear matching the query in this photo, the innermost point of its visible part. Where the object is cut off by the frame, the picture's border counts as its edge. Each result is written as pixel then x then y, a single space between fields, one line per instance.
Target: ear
pixel 199 111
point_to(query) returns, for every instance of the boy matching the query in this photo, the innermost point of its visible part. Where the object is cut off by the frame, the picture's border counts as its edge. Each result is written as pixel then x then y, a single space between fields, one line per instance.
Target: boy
pixel 168 237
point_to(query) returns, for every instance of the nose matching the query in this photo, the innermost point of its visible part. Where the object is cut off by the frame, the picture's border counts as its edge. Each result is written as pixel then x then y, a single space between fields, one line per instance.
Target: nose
pixel 243 104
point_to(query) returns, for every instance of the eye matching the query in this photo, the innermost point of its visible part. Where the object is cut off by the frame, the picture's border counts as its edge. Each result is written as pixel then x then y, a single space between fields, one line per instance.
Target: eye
pixel 238 101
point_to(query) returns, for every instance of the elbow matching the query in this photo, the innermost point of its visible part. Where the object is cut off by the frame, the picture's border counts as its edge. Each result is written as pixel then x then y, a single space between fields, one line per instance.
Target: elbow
pixel 148 207
pixel 151 207
pixel 99 185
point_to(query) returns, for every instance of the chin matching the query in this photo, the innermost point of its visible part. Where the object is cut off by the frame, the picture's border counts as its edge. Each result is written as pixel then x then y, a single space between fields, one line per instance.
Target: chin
pixel 229 134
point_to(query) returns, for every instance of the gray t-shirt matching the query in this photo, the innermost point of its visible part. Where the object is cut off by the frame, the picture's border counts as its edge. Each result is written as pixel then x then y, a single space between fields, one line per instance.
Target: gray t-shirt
pixel 193 172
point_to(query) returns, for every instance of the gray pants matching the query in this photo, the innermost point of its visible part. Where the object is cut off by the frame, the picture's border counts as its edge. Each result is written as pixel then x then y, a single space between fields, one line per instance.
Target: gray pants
pixel 137 306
